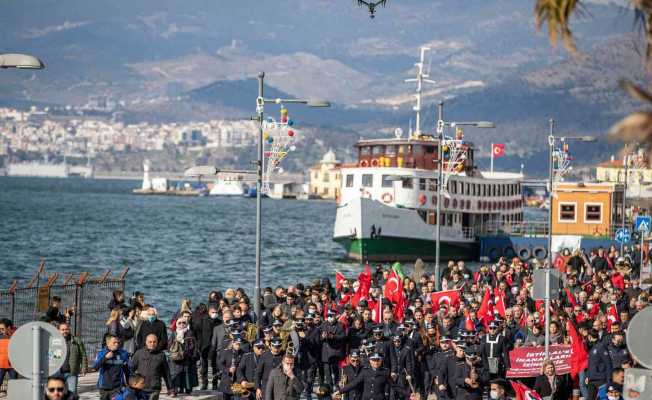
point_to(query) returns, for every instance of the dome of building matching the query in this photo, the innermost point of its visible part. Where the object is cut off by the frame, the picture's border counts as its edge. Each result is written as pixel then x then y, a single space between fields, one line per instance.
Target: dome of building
pixel 329 158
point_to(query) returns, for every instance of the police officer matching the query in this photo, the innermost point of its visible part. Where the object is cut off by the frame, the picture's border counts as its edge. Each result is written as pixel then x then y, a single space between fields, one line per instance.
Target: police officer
pixel 333 341
pixel 227 362
pixel 455 369
pixel 402 368
pixel 475 377
pixel 374 381
pixel 312 354
pixel 493 350
pixel 268 361
pixel 246 371
pixel 600 365
pixel 351 371
pixel 382 346
pixel 617 350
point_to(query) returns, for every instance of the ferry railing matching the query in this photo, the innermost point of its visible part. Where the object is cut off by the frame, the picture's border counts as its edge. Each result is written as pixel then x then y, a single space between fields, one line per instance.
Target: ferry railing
pixel 517 228
pixel 84 297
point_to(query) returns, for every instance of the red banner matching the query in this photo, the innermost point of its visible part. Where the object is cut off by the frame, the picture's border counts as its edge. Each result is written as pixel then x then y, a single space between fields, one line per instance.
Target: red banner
pixel 526 361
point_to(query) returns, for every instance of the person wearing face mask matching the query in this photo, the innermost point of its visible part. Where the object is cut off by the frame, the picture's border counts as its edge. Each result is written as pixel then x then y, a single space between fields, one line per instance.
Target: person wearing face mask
pixel 617 380
pixel 204 332
pixel 617 350
pixel 150 325
pixel 455 369
pixel 498 390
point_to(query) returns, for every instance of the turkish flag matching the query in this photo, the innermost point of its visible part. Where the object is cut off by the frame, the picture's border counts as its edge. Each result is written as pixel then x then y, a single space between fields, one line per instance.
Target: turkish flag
pixel 570 297
pixel 499 302
pixel 450 297
pixel 523 392
pixel 612 316
pixel 486 310
pixel 580 355
pixel 339 280
pixel 365 284
pixel 498 149
pixel 393 288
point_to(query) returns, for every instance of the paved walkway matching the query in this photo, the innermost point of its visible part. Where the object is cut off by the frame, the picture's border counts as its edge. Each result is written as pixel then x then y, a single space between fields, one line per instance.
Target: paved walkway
pixel 88 391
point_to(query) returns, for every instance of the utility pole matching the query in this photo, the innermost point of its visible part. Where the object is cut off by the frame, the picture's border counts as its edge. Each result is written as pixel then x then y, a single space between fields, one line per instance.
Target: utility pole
pixel 440 140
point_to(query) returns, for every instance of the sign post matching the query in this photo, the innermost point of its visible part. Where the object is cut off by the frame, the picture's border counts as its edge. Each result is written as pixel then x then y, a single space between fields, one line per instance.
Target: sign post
pixel 37 350
pixel 643 225
pixel 623 235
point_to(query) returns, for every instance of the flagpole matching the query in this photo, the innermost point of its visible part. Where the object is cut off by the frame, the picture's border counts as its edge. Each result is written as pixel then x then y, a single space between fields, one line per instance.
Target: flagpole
pixel 492 157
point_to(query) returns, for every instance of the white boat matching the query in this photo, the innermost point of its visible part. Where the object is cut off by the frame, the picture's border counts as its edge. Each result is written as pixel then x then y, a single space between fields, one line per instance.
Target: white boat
pixel 388 199
pixel 228 188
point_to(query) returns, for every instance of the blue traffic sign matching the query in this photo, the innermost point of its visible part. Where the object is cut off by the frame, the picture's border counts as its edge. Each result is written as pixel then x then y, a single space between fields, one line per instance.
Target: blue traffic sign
pixel 623 235
pixel 643 223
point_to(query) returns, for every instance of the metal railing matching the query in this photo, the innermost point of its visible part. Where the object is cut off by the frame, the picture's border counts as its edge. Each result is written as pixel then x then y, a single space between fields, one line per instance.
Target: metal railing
pixel 86 297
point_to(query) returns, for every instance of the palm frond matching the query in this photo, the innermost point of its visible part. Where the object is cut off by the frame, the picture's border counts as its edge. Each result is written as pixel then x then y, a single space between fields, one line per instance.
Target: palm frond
pixel 636 127
pixel 636 91
pixel 556 14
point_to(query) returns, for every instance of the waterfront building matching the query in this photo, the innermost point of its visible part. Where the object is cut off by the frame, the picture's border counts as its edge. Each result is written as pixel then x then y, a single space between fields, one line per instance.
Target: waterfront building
pixel 325 177
pixel 639 174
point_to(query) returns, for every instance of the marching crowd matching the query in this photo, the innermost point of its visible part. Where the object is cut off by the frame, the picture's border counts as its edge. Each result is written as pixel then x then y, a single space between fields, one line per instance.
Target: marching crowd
pixel 382 335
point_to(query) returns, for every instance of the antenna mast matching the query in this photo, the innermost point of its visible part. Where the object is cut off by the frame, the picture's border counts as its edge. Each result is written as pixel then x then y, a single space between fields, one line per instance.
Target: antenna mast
pixel 420 79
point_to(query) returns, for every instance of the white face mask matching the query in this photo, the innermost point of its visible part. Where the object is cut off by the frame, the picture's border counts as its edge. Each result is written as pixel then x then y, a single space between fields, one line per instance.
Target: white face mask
pixel 612 397
pixel 493 394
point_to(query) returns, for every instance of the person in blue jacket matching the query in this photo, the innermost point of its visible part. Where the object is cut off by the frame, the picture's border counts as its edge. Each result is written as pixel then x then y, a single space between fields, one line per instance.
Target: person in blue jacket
pixel 135 389
pixel 112 363
pixel 600 366
pixel 617 381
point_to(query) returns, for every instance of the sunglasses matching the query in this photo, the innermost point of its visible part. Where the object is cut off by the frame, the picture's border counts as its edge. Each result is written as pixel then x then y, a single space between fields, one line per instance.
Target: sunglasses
pixel 58 389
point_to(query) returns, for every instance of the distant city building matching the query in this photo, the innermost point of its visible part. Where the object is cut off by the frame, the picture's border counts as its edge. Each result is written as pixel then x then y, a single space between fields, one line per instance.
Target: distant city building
pixel 325 177
pixel 639 174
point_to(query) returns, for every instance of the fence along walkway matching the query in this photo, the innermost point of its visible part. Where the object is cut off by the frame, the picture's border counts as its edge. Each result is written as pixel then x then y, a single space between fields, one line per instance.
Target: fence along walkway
pixel 88 299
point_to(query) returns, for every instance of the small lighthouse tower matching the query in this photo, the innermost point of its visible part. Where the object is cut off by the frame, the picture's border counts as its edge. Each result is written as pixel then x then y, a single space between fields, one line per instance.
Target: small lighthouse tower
pixel 147 182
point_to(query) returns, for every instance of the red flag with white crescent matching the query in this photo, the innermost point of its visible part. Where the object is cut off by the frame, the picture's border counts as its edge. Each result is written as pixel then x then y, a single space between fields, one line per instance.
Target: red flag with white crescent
pixel 612 316
pixel 339 280
pixel 523 392
pixel 450 297
pixel 498 150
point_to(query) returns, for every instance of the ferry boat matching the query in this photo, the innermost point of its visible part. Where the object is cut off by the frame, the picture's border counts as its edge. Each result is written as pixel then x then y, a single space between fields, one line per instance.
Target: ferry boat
pixel 387 204
pixel 224 187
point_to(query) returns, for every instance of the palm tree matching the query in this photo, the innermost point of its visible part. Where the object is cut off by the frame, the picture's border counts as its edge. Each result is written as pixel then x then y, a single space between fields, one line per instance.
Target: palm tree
pixel 556 15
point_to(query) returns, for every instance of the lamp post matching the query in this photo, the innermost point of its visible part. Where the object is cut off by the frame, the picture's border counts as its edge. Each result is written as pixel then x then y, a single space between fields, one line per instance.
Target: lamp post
pixel 551 171
pixel 624 208
pixel 260 108
pixel 441 124
pixel 20 61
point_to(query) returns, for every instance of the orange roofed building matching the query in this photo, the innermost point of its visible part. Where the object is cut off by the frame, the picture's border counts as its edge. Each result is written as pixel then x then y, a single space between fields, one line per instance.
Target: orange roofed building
pixel 586 209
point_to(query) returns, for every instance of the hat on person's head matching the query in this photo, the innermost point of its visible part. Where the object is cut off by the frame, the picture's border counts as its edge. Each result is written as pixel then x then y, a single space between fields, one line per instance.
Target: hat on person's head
pixel 377 329
pixel 277 322
pixel 396 338
pixel 331 312
pixel 309 317
pixel 500 382
pixel 400 328
pixel 493 324
pixel 460 344
pixel 470 352
pixel 444 338
pixel 267 329
pixel 238 339
pixel 363 303
pixel 259 343
pixel 276 342
pixel 376 357
pixel 354 354
pixel 612 386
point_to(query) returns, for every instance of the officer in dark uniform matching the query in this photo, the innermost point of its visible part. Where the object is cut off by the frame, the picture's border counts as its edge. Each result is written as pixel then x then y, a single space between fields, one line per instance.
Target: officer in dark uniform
pixel 333 341
pixel 417 343
pixel 455 368
pixel 474 377
pixel 313 355
pixel 493 350
pixel 246 371
pixel 382 346
pixel 617 350
pixel 402 368
pixel 374 381
pixel 268 361
pixel 351 371
pixel 439 367
pixel 600 366
pixel 367 348
pixel 227 362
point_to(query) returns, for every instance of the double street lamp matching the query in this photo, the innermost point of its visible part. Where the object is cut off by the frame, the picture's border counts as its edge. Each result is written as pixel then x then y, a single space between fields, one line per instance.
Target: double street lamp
pixel 552 139
pixel 260 108
pixel 441 124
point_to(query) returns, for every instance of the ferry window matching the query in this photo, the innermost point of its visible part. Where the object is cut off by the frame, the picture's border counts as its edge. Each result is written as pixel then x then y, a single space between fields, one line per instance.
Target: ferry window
pixel 467 189
pixel 406 183
pixel 365 150
pixel 401 149
pixel 432 185
pixel 484 190
pixel 349 180
pixel 391 150
pixel 567 212
pixel 378 150
pixel 502 190
pixel 422 184
pixel 474 188
pixel 386 182
pixel 430 149
pixel 593 213
pixel 367 180
pixel 452 187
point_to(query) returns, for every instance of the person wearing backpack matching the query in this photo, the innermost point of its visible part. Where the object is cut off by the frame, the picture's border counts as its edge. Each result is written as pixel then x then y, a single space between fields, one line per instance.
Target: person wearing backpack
pixel 112 363
pixel 184 353
pixel 134 391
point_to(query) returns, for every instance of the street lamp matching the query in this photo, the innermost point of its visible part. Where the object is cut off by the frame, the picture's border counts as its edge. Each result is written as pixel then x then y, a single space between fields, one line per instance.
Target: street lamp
pixel 551 171
pixel 441 124
pixel 260 107
pixel 20 61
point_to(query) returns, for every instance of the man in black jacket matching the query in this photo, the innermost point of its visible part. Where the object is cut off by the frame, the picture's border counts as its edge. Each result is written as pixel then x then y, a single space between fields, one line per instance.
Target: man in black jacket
pixel 600 366
pixel 333 340
pixel 246 372
pixel 268 361
pixel 373 381
pixel 204 334
pixel 152 325
pixel 351 371
pixel 152 364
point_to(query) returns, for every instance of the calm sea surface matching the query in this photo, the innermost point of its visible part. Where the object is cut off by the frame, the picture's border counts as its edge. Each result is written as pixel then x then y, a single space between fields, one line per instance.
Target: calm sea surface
pixel 174 246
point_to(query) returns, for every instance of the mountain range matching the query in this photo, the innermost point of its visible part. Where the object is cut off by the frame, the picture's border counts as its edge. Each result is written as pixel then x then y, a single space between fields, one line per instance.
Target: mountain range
pixel 198 59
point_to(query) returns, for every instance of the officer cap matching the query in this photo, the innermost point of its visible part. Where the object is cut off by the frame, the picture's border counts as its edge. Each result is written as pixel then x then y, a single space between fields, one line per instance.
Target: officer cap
pixel 354 354
pixel 376 356
pixel 276 342
pixel 259 343
pixel 378 329
pixel 277 322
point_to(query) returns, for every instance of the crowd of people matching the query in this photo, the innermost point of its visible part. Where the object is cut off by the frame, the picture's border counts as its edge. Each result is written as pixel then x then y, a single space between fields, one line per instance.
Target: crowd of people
pixel 381 335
